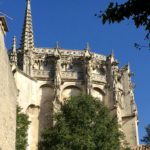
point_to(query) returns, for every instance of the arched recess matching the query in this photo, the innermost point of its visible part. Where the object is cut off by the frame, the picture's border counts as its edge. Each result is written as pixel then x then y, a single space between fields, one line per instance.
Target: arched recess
pixel 33 113
pixel 98 93
pixel 46 97
pixel 70 91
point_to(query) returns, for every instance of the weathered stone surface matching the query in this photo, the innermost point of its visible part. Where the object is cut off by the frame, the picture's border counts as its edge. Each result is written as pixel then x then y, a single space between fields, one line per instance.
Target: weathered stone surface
pixel 41 95
pixel 8 97
pixel 48 76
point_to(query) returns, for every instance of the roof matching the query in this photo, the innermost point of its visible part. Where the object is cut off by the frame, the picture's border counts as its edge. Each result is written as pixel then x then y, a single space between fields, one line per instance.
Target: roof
pixel 67 52
pixel 2 19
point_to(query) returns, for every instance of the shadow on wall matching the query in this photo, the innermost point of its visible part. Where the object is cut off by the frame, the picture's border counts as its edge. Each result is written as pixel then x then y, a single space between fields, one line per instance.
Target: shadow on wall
pixel 98 93
pixel 33 113
pixel 41 116
pixel 46 108
pixel 70 91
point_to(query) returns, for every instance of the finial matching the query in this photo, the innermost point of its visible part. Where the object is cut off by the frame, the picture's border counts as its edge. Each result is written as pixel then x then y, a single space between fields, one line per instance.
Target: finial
pixel 112 53
pixel 14 44
pixel 28 4
pixel 87 46
pixel 57 45
pixel 87 53
pixel 128 67
pixel 112 56
pixel 56 50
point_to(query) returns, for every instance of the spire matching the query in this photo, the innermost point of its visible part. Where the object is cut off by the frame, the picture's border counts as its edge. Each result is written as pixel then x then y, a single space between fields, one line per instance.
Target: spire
pixel 57 45
pixel 87 46
pixel 14 45
pixel 112 54
pixel 129 70
pixel 56 50
pixel 27 41
pixel 13 55
pixel 87 53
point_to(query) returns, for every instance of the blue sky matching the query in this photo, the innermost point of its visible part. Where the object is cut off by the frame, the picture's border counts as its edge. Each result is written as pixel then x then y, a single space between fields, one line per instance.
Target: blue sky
pixel 73 24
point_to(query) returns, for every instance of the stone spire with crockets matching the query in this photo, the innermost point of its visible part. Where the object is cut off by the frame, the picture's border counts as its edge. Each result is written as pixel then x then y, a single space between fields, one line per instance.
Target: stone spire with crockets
pixel 27 40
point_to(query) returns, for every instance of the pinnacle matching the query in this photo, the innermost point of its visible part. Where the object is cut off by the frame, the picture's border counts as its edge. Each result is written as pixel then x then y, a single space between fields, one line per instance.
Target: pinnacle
pixel 87 46
pixel 14 44
pixel 57 45
pixel 28 4
pixel 27 41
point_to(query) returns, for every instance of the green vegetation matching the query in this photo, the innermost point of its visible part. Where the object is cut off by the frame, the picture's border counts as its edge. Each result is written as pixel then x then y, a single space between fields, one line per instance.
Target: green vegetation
pixel 22 124
pixel 83 123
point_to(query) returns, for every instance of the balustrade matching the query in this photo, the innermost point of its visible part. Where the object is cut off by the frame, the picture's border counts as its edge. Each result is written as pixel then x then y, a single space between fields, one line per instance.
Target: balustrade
pixel 98 77
pixel 71 75
pixel 41 73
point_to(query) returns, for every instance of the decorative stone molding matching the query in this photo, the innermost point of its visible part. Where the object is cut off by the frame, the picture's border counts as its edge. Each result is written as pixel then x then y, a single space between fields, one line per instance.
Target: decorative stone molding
pixel 66 70
pixel 41 73
pixel 99 78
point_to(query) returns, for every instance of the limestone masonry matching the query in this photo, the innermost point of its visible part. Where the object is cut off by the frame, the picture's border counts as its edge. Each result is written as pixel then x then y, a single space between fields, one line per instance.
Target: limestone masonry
pixel 8 96
pixel 46 77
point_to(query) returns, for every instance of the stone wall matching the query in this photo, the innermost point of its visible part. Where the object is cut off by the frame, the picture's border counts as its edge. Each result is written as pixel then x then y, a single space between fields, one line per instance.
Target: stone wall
pixel 129 111
pixel 8 96
pixel 41 93
pixel 35 97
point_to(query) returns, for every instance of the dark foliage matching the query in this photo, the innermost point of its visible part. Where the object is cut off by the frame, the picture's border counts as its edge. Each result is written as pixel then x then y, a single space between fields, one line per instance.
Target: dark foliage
pixel 84 123
pixel 136 10
pixel 146 139
pixel 22 124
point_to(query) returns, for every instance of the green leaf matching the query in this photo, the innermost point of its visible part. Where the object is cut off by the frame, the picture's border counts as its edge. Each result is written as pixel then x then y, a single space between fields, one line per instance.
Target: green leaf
pixel 83 123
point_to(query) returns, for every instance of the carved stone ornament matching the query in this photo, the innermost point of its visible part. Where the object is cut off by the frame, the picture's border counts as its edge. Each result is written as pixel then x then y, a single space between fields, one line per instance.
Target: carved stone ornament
pixel 56 53
pixel 58 78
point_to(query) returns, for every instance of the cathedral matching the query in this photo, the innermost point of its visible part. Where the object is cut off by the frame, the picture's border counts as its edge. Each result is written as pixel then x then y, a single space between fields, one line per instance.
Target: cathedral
pixel 46 77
